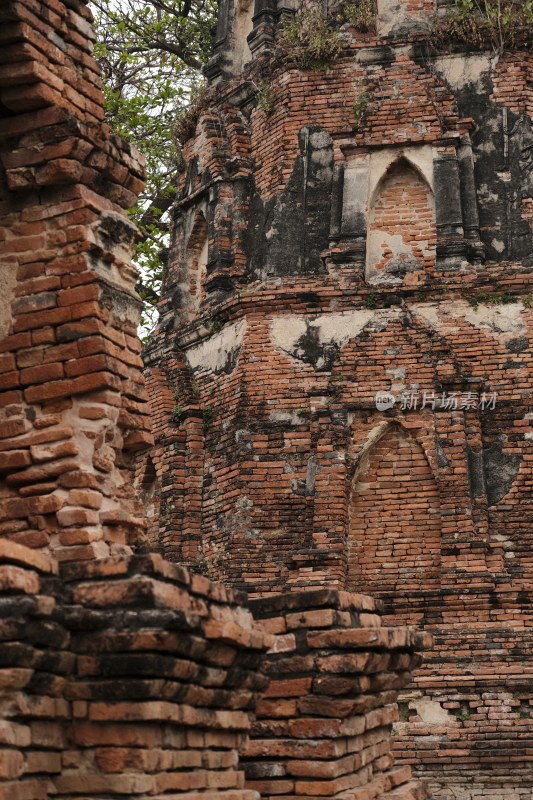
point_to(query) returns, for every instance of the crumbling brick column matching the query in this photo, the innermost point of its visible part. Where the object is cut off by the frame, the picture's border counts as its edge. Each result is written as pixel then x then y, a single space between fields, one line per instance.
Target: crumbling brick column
pixel 72 405
pixel 324 724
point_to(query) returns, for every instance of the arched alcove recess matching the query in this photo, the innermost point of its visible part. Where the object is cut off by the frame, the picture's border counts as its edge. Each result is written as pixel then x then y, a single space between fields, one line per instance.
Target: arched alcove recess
pixel 402 232
pixel 197 254
pixel 149 491
pixel 394 536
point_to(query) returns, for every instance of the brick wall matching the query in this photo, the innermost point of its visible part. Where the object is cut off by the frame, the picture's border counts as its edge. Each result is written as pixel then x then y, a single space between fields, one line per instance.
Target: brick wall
pixel 124 676
pixel 323 724
pixel 296 478
pixel 73 408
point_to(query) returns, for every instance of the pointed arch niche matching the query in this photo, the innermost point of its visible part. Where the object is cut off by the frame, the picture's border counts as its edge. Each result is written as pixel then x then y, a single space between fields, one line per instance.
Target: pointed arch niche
pixel 394 536
pixel 197 256
pixel 402 230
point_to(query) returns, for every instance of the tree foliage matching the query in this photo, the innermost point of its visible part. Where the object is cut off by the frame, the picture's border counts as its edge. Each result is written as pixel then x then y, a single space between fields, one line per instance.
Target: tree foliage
pixel 151 53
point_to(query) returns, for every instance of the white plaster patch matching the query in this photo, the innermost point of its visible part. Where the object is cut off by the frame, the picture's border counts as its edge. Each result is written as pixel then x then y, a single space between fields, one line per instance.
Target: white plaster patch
pixel 398 373
pixel 337 328
pixel 287 330
pixel 401 257
pixel 242 26
pixel 458 70
pixel 213 353
pixel 485 195
pixel 394 15
pixel 287 417
pixel 436 315
pixel 504 321
pixel 487 147
pixel 431 711
pixel 8 280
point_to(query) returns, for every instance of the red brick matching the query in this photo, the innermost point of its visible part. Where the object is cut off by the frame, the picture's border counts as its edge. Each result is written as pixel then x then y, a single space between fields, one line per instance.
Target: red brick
pixel 66 388
pixel 14 459
pixel 40 374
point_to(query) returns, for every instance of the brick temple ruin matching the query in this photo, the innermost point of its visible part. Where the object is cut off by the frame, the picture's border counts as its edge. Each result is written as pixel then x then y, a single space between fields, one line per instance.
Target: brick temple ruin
pixel 215 581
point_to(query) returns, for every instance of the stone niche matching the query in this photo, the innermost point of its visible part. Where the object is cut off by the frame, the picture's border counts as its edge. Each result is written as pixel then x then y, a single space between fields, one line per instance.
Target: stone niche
pixel 402 232
pixel 394 543
pixel 189 261
pixel 405 212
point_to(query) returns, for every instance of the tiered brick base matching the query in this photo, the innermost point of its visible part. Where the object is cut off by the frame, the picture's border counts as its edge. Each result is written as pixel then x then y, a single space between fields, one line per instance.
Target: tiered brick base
pixel 123 677
pixel 129 677
pixel 324 724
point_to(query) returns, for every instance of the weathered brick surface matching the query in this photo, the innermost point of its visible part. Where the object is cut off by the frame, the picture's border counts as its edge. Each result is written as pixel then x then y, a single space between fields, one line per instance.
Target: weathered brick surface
pixel 365 227
pixel 323 726
pixel 71 369
pixel 369 228
pixel 120 684
pixel 130 676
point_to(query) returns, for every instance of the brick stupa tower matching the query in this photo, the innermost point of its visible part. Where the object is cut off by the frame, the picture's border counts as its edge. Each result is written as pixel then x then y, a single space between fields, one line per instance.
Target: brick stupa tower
pixel 354 222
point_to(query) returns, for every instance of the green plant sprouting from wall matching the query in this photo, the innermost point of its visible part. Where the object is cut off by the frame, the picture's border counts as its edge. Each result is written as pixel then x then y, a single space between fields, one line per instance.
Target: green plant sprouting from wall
pixel 361 14
pixel 497 25
pixel 265 98
pixel 187 120
pixel 360 103
pixel 207 417
pixel 177 413
pixel 482 298
pixel 370 301
pixel 311 33
pixel 462 714
pixel 405 712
